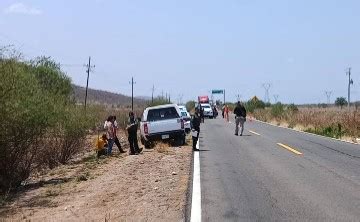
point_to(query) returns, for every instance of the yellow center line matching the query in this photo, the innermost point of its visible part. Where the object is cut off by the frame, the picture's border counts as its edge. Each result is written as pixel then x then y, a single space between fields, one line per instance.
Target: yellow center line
pixel 289 148
pixel 254 132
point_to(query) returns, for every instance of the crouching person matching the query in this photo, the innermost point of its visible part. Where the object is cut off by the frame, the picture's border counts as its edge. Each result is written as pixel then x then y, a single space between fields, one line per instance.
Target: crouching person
pixel 101 146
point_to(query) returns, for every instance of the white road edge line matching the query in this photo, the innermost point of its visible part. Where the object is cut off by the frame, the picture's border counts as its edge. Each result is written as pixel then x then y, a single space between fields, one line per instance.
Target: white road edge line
pixel 196 190
pixel 299 131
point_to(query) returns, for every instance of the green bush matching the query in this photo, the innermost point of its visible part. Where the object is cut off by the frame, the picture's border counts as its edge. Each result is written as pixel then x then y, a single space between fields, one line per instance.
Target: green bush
pixel 277 110
pixel 292 108
pixel 254 104
pixel 334 131
pixel 36 110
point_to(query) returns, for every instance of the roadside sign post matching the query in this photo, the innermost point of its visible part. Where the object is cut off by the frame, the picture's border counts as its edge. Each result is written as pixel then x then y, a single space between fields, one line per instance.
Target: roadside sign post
pixel 219 91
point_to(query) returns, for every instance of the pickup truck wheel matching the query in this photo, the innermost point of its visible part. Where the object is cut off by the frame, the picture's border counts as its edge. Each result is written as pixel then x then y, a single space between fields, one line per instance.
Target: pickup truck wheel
pixel 180 141
pixel 147 145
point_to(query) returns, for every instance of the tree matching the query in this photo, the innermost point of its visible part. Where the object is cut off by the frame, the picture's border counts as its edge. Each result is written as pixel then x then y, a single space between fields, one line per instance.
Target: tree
pixel 253 104
pixel 190 105
pixel 340 101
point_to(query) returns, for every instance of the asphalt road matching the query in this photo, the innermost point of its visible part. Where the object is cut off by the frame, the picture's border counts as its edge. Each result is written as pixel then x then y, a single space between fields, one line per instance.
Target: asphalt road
pixel 252 178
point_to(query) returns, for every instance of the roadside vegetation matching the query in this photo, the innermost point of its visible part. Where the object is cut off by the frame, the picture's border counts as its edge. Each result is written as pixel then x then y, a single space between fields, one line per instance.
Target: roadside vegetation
pixel 333 121
pixel 42 127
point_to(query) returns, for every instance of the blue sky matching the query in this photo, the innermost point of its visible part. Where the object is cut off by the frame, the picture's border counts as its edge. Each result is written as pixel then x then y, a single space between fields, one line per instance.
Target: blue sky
pixel 190 47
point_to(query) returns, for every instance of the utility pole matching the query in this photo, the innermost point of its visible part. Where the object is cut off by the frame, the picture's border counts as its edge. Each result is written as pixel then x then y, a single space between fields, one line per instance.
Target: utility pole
pixel 267 87
pixel 328 95
pixel 88 70
pixel 350 83
pixel 132 93
pixel 152 94
pixel 224 97
pixel 162 94
pixel 169 98
pixel 276 97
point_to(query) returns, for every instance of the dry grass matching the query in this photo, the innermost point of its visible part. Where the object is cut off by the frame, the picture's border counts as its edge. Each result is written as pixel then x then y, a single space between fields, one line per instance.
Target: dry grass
pixel 334 122
pixel 164 148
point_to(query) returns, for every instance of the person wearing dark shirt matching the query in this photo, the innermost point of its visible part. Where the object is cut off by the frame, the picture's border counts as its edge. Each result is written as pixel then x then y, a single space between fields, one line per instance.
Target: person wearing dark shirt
pixel 240 118
pixel 196 121
pixel 202 114
pixel 132 135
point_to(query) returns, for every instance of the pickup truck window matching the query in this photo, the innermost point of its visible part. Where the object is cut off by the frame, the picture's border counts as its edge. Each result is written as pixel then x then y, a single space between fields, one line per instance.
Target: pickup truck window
pixel 162 114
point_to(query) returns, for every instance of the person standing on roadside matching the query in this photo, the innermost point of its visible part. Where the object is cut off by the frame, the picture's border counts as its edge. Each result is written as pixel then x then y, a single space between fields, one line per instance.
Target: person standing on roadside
pixel 223 111
pixel 109 127
pixel 240 118
pixel 226 113
pixel 132 135
pixel 116 139
pixel 202 114
pixel 195 131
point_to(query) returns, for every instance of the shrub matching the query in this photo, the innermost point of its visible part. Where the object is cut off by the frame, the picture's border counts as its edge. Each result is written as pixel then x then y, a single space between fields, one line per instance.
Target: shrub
pixel 340 101
pixel 36 110
pixel 254 104
pixel 277 110
pixel 190 105
pixel 24 115
pixel 292 108
pixel 66 139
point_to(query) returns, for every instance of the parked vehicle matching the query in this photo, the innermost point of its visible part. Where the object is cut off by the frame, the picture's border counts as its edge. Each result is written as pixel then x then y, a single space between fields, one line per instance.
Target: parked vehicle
pixel 162 123
pixel 203 99
pixel 186 117
pixel 208 111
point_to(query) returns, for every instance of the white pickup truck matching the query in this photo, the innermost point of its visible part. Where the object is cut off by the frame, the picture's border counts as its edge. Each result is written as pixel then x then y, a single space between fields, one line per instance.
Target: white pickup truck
pixel 162 123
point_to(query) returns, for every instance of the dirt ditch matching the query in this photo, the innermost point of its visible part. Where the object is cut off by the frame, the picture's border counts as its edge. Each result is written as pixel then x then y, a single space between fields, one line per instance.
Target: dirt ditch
pixel 151 186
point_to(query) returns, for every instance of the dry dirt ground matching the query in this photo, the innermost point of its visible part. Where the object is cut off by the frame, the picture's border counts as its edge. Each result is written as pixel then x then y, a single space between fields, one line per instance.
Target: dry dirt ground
pixel 147 187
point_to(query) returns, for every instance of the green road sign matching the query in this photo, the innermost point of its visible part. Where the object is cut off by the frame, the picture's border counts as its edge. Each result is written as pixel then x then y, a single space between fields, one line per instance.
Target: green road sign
pixel 217 91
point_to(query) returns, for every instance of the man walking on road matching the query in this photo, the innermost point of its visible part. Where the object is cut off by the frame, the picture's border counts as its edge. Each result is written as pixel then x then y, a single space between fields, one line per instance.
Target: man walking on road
pixel 240 118
pixel 196 121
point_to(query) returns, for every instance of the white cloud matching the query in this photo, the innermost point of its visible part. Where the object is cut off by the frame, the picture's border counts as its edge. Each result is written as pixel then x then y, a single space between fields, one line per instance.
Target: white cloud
pixel 21 8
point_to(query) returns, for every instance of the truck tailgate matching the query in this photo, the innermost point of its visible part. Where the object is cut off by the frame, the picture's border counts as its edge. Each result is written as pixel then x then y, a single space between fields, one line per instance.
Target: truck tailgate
pixel 164 126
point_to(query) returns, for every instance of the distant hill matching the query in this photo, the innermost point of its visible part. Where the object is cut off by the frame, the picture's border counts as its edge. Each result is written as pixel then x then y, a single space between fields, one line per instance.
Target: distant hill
pixel 105 98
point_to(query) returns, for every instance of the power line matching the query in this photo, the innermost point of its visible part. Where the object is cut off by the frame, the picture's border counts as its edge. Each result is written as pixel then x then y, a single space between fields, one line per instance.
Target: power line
pixel 71 65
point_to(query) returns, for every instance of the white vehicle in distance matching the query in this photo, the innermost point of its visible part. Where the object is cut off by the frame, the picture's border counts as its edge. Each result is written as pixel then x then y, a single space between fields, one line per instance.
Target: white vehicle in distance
pixel 208 111
pixel 162 123
pixel 186 117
